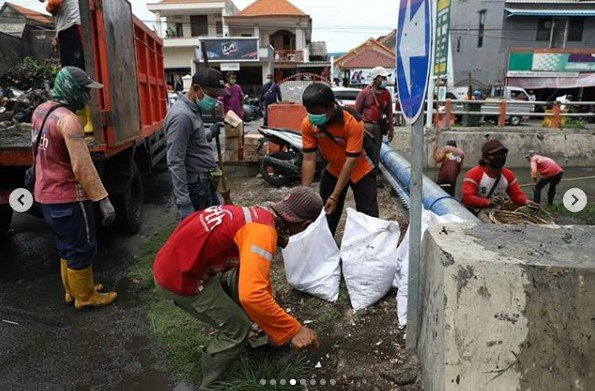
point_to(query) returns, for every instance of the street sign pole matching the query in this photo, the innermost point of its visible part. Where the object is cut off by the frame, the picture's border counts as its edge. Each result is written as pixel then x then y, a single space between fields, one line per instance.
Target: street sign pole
pixel 432 80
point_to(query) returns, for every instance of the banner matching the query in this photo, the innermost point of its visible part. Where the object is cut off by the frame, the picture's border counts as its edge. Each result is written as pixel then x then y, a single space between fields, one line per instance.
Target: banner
pixel 362 77
pixel 549 64
pixel 233 49
pixel 442 37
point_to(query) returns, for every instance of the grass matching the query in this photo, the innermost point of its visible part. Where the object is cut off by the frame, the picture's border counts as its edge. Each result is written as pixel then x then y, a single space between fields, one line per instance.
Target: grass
pixel 586 216
pixel 181 337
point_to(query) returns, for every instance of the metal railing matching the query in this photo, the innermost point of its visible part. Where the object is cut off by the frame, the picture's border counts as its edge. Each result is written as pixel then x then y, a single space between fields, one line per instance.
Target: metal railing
pixel 289 55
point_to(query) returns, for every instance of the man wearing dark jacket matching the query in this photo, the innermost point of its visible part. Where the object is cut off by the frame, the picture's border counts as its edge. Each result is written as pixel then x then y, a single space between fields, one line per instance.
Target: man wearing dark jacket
pixel 271 93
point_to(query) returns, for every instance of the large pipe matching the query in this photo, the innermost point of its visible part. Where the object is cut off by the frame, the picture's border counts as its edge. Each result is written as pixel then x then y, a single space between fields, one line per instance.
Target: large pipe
pixel 433 197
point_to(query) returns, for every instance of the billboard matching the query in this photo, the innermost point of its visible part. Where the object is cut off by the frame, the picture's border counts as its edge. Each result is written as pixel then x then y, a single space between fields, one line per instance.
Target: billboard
pixel 230 49
pixel 550 63
pixel 362 77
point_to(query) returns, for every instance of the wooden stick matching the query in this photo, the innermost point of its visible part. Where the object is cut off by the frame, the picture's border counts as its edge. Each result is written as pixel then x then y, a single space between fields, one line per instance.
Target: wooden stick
pixel 564 180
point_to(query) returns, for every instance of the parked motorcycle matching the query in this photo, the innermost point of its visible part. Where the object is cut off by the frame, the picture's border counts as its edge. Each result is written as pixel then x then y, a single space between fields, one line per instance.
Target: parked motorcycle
pixel 285 165
pixel 252 111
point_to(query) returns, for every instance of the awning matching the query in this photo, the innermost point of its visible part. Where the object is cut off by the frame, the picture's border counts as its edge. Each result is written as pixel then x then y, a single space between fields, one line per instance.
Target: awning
pixel 583 80
pixel 548 12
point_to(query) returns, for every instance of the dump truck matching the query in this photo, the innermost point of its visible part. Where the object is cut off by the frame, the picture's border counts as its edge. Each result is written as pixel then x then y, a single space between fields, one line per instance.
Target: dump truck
pixel 128 140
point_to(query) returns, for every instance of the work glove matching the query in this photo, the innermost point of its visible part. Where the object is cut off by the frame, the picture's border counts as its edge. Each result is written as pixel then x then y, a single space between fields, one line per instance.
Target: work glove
pixel 185 210
pixel 108 212
pixel 214 131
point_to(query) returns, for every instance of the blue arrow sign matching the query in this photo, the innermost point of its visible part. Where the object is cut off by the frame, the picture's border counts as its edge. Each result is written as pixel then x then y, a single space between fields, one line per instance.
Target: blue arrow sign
pixel 413 55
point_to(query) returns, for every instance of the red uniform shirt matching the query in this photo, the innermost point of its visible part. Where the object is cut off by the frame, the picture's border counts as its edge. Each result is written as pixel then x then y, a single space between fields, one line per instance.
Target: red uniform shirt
pixel 477 184
pixel 218 239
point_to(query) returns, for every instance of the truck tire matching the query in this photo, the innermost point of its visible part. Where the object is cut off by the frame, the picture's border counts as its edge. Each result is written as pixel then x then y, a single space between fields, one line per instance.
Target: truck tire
pixel 515 120
pixel 5 219
pixel 129 205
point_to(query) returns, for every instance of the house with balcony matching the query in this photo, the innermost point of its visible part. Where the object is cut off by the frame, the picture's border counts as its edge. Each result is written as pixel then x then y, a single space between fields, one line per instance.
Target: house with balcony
pixel 546 46
pixel 180 23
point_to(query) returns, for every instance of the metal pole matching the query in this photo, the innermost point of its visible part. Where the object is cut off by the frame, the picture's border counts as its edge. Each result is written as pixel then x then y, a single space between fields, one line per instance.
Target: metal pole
pixel 417 130
pixel 432 81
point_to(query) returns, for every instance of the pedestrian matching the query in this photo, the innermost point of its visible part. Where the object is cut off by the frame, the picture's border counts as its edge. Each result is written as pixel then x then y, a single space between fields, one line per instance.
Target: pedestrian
pixel 489 185
pixel 234 96
pixel 340 137
pixel 550 172
pixel 69 32
pixel 190 154
pixel 532 96
pixel 216 266
pixel 375 105
pixel 271 93
pixel 452 159
pixel 67 184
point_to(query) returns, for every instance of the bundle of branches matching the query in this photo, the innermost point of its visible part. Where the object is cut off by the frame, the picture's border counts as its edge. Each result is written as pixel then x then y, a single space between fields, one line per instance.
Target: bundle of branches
pixel 522 215
pixel 31 74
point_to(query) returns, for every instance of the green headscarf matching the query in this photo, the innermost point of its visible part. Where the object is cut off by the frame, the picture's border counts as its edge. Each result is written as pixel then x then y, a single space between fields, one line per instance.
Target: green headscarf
pixel 68 91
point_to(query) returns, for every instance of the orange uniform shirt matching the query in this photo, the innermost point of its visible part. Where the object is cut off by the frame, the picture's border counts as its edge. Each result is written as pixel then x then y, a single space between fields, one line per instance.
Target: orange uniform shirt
pixel 348 141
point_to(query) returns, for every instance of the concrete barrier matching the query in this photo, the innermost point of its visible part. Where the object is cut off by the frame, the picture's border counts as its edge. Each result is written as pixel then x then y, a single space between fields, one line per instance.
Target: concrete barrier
pixel 508 308
pixel 570 147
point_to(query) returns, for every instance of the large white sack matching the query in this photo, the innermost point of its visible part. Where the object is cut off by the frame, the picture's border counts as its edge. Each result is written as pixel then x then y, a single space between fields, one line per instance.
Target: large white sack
pixel 428 219
pixel 368 251
pixel 312 261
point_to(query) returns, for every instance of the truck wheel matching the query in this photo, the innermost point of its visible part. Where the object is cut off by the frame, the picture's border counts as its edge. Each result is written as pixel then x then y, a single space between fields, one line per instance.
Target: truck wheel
pixel 5 219
pixel 129 206
pixel 515 120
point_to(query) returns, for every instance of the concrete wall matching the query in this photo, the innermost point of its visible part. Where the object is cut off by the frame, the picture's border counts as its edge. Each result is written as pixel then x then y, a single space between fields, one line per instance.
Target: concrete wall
pixel 508 308
pixel 572 148
pixel 33 43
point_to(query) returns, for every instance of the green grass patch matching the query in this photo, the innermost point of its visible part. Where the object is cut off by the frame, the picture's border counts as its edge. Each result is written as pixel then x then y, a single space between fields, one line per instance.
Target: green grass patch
pixel 586 216
pixel 181 336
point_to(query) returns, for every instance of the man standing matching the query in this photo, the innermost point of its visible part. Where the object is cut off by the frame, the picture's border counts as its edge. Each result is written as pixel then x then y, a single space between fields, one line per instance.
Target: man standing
pixel 234 96
pixel 216 266
pixel 340 138
pixel 451 158
pixel 375 105
pixel 190 155
pixel 489 184
pixel 69 32
pixel 271 93
pixel 550 172
pixel 66 184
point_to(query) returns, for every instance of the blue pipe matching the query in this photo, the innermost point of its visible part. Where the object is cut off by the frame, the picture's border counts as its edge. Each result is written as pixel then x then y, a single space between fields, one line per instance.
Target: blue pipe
pixel 433 197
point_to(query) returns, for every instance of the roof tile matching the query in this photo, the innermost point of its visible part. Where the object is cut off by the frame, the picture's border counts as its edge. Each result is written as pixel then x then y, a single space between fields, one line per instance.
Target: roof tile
pixel 271 7
pixel 31 14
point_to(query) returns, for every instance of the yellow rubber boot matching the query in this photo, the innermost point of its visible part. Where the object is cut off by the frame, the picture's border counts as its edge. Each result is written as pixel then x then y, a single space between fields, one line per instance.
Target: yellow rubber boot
pixel 82 288
pixel 88 128
pixel 68 296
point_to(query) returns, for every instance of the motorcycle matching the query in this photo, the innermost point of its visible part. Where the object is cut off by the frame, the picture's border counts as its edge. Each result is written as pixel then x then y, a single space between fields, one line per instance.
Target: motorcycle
pixel 252 111
pixel 285 165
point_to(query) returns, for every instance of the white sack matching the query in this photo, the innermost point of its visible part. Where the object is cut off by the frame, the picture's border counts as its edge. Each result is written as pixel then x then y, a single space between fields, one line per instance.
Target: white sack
pixel 312 261
pixel 428 219
pixel 368 251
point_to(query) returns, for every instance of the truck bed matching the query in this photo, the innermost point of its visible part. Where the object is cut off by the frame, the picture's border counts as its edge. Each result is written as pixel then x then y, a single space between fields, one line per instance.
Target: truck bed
pixel 15 136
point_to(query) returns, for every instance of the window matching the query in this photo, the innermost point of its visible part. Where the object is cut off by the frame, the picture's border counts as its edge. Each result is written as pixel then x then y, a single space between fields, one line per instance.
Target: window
pixel 199 25
pixel 219 27
pixel 544 29
pixel 482 23
pixel 575 29
pixel 179 30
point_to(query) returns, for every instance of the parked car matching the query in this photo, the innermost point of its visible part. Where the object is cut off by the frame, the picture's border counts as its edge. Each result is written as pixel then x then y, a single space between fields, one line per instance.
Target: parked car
pixel 346 96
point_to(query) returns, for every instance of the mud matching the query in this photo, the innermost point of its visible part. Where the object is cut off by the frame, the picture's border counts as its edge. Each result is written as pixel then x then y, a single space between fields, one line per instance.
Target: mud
pixel 18 135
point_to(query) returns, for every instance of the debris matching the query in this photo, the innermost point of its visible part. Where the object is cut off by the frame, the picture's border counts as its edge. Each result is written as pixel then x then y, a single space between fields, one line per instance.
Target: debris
pixel 318 365
pixel 307 321
pixel 379 342
pixel 10 322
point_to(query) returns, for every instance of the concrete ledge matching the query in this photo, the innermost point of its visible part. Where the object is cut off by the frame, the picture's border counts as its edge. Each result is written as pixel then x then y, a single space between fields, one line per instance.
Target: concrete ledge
pixel 508 308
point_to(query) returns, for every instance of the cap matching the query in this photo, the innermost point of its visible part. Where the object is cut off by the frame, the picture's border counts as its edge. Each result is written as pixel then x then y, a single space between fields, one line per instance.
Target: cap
pixel 529 154
pixel 452 143
pixel 82 78
pixel 300 204
pixel 210 78
pixel 492 146
pixel 379 71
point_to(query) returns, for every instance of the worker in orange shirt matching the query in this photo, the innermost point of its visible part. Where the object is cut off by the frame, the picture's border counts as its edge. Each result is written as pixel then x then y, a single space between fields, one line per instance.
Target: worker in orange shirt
pixel 339 134
pixel 216 266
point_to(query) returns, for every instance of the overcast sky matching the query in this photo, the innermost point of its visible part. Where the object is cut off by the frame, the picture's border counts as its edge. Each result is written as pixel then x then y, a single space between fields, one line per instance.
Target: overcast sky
pixel 343 24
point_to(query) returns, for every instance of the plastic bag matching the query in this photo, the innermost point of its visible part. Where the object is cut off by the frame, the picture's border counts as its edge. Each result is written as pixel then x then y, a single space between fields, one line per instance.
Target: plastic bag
pixel 312 261
pixel 401 282
pixel 369 254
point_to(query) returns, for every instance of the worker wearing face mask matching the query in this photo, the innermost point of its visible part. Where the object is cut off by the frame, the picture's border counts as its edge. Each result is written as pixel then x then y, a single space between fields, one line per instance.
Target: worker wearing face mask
pixel 234 96
pixel 190 154
pixel 490 184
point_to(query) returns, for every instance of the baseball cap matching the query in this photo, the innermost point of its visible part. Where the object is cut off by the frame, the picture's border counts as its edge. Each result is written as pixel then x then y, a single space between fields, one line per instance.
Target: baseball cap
pixel 529 154
pixel 210 78
pixel 492 146
pixel 82 78
pixel 300 204
pixel 452 142
pixel 379 71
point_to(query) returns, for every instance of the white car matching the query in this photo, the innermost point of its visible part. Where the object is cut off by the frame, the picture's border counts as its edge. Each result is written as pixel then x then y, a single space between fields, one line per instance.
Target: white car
pixel 346 96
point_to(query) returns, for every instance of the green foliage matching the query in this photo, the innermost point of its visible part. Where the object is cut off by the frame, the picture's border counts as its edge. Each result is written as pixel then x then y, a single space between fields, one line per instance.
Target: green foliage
pixel 586 216
pixel 31 74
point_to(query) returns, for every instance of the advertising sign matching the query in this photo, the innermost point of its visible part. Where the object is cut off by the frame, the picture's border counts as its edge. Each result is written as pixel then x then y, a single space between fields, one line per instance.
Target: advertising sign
pixel 442 37
pixel 231 49
pixel 549 64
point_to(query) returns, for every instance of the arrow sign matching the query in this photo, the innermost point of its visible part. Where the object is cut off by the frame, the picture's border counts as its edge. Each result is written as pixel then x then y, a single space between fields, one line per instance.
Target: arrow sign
pixel 20 199
pixel 414 41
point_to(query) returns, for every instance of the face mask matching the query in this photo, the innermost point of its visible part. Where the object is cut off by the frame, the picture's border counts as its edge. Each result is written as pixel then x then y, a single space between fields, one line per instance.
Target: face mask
pixel 498 162
pixel 232 81
pixel 318 119
pixel 207 103
pixel 383 84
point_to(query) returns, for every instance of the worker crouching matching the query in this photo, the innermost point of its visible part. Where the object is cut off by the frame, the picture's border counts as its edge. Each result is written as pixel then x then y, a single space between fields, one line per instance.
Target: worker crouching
pixel 216 266
pixel 66 184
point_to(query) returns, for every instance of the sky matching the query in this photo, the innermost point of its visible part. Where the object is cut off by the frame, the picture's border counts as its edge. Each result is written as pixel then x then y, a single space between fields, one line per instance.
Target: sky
pixel 343 24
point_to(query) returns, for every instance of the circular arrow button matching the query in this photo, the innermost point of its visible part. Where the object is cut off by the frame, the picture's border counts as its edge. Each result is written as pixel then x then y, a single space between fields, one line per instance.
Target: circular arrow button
pixel 20 200
pixel 575 200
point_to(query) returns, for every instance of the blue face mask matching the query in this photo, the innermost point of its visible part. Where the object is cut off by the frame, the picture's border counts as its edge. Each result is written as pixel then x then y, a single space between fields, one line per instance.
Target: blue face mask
pixel 318 119
pixel 207 103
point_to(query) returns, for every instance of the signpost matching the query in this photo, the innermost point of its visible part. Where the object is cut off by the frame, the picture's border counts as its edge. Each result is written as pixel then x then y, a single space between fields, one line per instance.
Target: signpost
pixel 414 39
pixel 442 37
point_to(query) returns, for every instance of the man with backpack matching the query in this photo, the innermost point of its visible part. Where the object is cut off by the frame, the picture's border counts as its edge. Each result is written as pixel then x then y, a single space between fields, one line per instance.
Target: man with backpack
pixel 339 135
